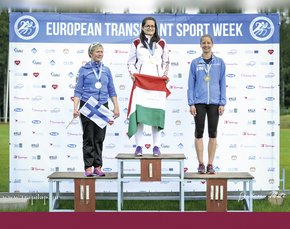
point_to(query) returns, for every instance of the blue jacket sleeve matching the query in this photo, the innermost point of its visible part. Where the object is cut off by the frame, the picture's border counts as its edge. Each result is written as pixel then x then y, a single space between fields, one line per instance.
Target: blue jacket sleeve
pixel 111 87
pixel 79 86
pixel 223 99
pixel 191 85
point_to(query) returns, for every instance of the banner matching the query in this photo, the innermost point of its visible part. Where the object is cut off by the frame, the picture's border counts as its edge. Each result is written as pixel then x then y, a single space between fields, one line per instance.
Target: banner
pixel 46 51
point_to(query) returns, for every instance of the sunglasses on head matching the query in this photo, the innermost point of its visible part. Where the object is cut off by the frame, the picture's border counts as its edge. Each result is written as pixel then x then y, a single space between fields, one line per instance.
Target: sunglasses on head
pixel 93 45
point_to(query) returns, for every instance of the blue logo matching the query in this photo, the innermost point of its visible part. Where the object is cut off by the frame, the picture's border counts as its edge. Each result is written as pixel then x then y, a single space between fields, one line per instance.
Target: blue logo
pixel 270 98
pixel 250 86
pixel 72 145
pixel 18 109
pixel 54 133
pixel 262 28
pixel 26 27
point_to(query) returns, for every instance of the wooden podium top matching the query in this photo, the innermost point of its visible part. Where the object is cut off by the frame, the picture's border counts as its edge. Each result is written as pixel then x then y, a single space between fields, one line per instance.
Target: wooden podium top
pixel 221 175
pixel 150 156
pixel 75 175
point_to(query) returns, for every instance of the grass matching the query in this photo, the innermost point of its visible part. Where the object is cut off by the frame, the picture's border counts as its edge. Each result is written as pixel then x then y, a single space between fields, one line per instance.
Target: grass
pixel 157 205
pixel 284 154
pixel 4 157
pixel 150 205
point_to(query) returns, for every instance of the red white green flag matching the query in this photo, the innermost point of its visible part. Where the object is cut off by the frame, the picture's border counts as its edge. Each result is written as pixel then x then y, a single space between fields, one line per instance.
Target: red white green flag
pixel 147 102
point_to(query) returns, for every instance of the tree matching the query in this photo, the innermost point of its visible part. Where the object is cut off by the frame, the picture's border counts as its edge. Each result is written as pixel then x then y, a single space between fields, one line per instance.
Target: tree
pixel 3 57
pixel 285 60
pixel 284 55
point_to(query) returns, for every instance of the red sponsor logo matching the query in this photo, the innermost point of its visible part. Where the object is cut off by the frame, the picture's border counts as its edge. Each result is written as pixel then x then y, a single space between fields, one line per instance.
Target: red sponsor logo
pixel 36 74
pixel 54 86
pixel 271 51
pixel 17 62
pixel 147 146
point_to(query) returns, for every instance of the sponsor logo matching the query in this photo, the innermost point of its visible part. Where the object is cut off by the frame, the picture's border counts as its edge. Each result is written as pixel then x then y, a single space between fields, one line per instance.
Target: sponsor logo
pixel 270 75
pixel 54 133
pixel 180 146
pixel 232 99
pixel 234 157
pixel 71 145
pixel 36 62
pixel 250 86
pixel 270 98
pixel 17 62
pixel 16 50
pixel 251 63
pixel 232 52
pixel 18 109
pixel 191 52
pixel 231 75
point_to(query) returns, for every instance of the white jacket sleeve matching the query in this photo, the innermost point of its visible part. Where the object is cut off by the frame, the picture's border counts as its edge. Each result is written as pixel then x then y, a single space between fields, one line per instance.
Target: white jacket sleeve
pixel 131 63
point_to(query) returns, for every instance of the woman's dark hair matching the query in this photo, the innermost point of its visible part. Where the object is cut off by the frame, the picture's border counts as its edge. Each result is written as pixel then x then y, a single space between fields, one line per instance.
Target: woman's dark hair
pixel 155 37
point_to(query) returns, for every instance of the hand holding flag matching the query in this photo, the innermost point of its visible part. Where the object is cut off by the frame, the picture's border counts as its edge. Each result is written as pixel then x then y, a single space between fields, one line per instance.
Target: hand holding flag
pixel 98 113
pixel 147 102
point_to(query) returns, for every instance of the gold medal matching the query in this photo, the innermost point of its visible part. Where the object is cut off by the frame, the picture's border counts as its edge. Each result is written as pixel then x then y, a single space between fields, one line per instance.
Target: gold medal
pixel 207 78
pixel 152 60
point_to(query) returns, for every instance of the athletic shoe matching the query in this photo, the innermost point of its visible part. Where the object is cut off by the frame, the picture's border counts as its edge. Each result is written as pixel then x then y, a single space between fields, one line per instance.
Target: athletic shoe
pixel 156 151
pixel 98 171
pixel 88 172
pixel 138 151
pixel 201 169
pixel 210 169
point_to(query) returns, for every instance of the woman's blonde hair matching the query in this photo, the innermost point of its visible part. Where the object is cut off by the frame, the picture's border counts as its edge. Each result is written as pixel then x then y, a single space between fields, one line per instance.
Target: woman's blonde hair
pixel 93 46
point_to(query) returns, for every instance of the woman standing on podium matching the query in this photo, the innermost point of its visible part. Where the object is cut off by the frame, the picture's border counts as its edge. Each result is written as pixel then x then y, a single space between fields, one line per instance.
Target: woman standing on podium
pixel 206 96
pixel 148 56
pixel 94 80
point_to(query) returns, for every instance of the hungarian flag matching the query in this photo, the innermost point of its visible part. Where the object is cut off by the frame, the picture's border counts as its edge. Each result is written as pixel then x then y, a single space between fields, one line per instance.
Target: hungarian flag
pixel 147 102
pixel 98 113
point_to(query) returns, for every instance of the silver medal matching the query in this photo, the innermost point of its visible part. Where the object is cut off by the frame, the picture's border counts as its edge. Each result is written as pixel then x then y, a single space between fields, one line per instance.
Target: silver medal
pixel 98 85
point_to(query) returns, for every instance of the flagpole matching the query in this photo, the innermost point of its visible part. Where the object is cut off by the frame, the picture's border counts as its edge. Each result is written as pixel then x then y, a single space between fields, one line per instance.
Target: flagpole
pixel 69 123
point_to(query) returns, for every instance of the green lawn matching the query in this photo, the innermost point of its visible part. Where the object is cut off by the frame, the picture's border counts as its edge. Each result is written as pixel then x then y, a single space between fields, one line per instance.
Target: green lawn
pixel 4 157
pixel 259 205
pixel 284 155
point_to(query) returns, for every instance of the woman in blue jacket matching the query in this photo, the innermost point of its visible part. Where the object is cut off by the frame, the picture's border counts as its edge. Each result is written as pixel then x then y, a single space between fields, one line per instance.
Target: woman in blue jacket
pixel 94 79
pixel 206 96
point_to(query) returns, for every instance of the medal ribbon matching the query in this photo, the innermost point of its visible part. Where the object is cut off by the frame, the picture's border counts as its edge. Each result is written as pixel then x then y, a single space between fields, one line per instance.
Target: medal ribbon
pixel 98 76
pixel 152 51
pixel 207 69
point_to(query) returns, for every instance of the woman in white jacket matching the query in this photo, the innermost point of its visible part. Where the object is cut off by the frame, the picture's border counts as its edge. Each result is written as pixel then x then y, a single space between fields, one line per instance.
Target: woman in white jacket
pixel 148 55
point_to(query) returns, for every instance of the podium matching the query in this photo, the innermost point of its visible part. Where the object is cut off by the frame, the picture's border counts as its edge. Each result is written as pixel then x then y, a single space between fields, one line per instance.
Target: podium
pixel 150 171
pixel 84 190
pixel 216 189
pixel 84 200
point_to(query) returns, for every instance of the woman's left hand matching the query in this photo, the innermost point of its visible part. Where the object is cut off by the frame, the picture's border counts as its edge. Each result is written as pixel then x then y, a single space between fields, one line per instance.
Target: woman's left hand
pixel 221 110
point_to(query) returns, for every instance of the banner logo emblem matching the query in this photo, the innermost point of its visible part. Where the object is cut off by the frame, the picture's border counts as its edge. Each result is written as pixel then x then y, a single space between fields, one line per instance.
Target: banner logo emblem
pixel 26 27
pixel 262 28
